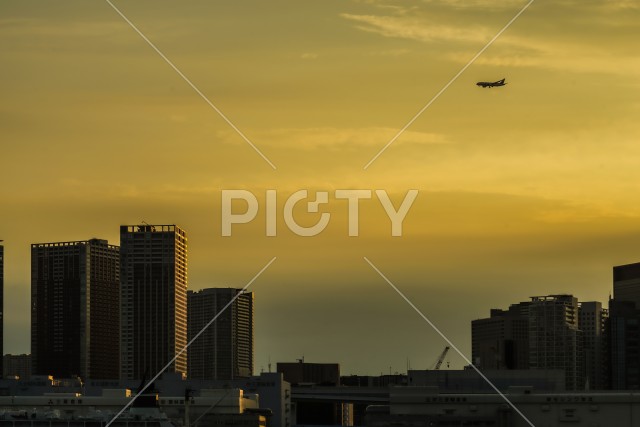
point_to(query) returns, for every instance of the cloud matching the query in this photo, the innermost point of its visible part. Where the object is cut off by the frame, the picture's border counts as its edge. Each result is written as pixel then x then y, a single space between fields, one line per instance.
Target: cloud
pixel 33 27
pixel 556 49
pixel 563 56
pixel 390 52
pixel 336 138
pixel 611 5
pixel 415 29
pixel 478 4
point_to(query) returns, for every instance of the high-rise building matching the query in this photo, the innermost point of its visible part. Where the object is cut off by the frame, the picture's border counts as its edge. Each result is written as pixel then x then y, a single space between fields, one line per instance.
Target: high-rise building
pixel 623 329
pixel 626 283
pixel 591 321
pixel 501 341
pixel 544 334
pixel 224 351
pixel 75 309
pixel 555 341
pixel 1 298
pixel 153 286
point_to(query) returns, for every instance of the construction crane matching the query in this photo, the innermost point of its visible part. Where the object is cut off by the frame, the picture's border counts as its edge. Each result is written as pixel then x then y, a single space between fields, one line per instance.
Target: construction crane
pixel 441 358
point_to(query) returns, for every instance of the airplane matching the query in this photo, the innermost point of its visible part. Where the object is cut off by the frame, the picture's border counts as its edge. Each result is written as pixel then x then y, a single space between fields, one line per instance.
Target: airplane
pixel 491 84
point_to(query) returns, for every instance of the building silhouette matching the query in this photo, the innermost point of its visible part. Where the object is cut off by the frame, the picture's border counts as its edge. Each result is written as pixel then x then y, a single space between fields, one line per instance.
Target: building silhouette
pixel 224 351
pixel 501 341
pixel 591 321
pixel 75 309
pixel 539 334
pixel 301 372
pixel 555 341
pixel 153 286
pixel 626 283
pixel 316 376
pixel 623 329
pixel 17 365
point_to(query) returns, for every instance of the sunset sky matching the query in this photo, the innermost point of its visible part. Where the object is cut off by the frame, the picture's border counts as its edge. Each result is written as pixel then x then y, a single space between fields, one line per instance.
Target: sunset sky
pixel 527 189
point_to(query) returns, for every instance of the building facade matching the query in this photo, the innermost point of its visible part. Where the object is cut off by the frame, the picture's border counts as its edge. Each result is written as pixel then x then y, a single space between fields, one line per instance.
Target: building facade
pixel 428 406
pixel 468 381
pixel 224 350
pixel 501 341
pixel 16 365
pixel 555 340
pixel 626 283
pixel 75 309
pixel 153 295
pixel 623 329
pixel 301 372
pixel 591 321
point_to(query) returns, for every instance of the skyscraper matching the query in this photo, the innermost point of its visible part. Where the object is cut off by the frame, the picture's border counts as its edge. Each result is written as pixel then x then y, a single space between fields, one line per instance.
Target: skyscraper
pixel 225 349
pixel 501 341
pixel 623 328
pixel 623 332
pixel 626 283
pixel 75 309
pixel 555 341
pixel 153 286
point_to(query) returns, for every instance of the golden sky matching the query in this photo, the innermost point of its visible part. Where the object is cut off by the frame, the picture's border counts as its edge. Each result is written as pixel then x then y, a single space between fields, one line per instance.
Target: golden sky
pixel 527 189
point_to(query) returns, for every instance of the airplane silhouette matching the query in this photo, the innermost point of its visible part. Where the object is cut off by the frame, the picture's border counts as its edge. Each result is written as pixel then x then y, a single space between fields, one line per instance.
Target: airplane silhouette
pixel 491 84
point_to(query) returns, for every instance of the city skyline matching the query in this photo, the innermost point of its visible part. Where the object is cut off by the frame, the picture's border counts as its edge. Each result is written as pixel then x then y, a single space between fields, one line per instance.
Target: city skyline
pixel 523 187
pixel 624 274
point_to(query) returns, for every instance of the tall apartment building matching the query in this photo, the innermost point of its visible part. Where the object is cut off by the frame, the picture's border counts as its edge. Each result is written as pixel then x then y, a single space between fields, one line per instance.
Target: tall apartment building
pixel 75 309
pixel 501 341
pixel 153 286
pixel 555 341
pixel 224 351
pixel 591 321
